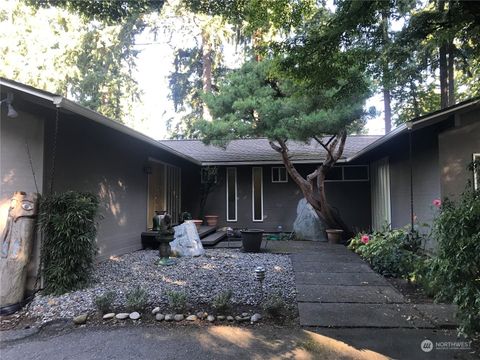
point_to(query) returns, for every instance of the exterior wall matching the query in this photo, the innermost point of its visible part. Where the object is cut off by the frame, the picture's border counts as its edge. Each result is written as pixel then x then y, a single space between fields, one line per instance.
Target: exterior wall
pixel 280 200
pixel 92 157
pixel 15 169
pixel 456 147
pixel 426 178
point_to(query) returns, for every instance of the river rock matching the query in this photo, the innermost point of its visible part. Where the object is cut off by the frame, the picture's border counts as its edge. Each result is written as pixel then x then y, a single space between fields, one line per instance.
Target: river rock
pixel 178 317
pixel 230 318
pixel 80 319
pixel 159 317
pixel 307 225
pixel 169 317
pixel 201 315
pixel 187 241
pixel 108 316
pixel 210 318
pixel 122 316
pixel 255 318
pixel 220 317
pixel 134 315
pixel 156 310
pixel 191 318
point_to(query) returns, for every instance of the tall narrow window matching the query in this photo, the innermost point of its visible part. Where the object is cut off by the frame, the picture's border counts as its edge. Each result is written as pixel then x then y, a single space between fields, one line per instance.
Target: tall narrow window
pixel 476 171
pixel 231 194
pixel 257 193
pixel 380 192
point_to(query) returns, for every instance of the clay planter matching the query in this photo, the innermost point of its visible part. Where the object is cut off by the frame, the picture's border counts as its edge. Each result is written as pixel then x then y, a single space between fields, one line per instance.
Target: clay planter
pixel 334 235
pixel 212 220
pixel 197 223
pixel 252 240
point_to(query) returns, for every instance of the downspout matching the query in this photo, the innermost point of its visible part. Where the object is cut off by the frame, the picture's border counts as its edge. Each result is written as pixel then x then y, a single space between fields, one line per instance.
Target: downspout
pixel 410 156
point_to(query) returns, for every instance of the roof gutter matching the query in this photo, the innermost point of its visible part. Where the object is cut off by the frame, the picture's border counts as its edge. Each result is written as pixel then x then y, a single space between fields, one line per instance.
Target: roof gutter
pixel 66 104
pixel 264 162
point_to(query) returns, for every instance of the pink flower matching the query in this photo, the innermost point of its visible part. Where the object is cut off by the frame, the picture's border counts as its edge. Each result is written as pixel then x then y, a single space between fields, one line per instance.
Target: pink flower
pixel 365 239
pixel 437 203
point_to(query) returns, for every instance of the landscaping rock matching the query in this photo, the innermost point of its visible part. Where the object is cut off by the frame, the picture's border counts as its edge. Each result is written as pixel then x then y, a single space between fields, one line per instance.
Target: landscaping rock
pixel 191 318
pixel 178 317
pixel 187 242
pixel 230 318
pixel 122 316
pixel 201 315
pixel 134 315
pixel 238 318
pixel 108 316
pixel 156 310
pixel 210 318
pixel 169 317
pixel 307 225
pixel 255 318
pixel 245 314
pixel 220 317
pixel 80 319
pixel 159 317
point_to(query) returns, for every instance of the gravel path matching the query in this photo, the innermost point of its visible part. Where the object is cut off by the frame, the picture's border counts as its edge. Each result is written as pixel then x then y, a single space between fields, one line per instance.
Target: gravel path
pixel 201 278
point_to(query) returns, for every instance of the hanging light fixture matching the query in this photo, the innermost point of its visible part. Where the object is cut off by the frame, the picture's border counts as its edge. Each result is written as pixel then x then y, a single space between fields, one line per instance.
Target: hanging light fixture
pixel 11 113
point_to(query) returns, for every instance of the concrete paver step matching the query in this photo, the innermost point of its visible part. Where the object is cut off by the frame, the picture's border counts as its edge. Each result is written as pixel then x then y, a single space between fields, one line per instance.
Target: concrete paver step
pixel 347 279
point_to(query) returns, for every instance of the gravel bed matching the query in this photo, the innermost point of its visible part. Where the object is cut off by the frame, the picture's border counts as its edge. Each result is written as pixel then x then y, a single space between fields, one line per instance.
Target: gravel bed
pixel 201 278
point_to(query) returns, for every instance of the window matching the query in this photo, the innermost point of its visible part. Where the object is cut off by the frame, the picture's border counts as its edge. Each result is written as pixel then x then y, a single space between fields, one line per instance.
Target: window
pixel 231 194
pixel 279 175
pixel 208 175
pixel 348 173
pixel 476 171
pixel 257 193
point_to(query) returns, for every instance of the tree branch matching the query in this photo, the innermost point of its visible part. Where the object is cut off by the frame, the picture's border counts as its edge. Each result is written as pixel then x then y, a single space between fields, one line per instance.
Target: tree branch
pixel 324 146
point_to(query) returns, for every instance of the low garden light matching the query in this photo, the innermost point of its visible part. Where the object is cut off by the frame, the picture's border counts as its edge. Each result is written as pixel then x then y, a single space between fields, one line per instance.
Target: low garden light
pixel 260 276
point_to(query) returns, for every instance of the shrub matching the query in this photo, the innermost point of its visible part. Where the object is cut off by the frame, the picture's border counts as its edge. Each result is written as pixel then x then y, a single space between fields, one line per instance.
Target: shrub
pixel 222 302
pixel 390 252
pixel 177 301
pixel 136 299
pixel 275 306
pixel 68 251
pixel 455 270
pixel 104 302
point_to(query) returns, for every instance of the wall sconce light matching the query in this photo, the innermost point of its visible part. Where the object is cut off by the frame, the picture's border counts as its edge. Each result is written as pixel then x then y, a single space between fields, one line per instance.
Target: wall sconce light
pixel 11 111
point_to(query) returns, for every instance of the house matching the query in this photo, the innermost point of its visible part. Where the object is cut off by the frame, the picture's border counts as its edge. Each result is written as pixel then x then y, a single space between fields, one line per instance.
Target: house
pixel 55 145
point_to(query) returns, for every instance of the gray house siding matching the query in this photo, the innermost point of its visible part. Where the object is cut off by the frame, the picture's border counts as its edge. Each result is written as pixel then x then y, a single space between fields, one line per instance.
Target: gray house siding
pixel 351 199
pixel 456 148
pixel 91 157
pixel 15 169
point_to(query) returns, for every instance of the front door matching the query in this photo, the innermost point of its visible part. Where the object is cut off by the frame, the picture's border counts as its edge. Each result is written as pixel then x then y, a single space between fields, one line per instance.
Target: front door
pixel 164 190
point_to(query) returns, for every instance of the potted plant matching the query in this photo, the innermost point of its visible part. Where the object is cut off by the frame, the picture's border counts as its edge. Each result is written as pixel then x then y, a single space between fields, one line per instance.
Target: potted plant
pixel 197 223
pixel 212 220
pixel 252 239
pixel 334 236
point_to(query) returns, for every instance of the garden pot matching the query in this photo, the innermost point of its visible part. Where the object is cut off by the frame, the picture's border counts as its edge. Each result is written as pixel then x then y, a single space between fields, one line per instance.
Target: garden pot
pixel 197 223
pixel 334 235
pixel 212 220
pixel 252 240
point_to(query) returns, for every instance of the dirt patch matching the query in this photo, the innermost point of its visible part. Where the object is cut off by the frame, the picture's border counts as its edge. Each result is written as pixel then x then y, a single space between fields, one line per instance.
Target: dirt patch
pixel 412 292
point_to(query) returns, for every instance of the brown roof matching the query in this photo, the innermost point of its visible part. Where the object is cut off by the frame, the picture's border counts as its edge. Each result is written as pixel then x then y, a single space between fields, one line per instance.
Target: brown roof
pixel 259 150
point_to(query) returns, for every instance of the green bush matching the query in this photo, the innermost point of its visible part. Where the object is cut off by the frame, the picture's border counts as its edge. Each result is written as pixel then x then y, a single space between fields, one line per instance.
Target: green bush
pixel 392 253
pixel 68 251
pixel 136 299
pixel 177 301
pixel 454 273
pixel 275 306
pixel 222 302
pixel 104 302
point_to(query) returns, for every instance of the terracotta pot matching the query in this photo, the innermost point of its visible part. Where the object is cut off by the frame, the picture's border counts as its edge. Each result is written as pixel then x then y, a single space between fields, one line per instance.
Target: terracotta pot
pixel 197 223
pixel 334 235
pixel 212 220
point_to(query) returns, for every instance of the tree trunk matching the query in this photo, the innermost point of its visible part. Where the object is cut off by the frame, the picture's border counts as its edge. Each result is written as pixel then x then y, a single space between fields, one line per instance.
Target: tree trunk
pixel 314 191
pixel 386 89
pixel 443 66
pixel 451 75
pixel 206 69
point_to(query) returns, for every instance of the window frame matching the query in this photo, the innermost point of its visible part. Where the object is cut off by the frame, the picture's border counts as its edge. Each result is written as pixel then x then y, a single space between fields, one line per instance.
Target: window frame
pixel 236 195
pixel 278 168
pixel 351 180
pixel 261 194
pixel 476 172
